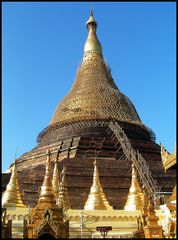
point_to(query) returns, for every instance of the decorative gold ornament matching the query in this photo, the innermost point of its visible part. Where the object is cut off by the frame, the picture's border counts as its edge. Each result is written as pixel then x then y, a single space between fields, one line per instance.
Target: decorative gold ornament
pixel 94 95
pixel 12 196
pixel 152 228
pixel 135 196
pixel 92 42
pixel 169 160
pixel 96 198
pixel 47 193
pixel 63 199
pixel 55 180
pixel 47 217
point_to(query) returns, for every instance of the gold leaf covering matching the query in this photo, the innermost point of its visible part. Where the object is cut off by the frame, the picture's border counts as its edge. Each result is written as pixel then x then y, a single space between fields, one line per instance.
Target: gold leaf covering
pixel 92 42
pixel 135 196
pixel 47 193
pixel 12 196
pixel 55 180
pixel 94 95
pixel 96 198
pixel 63 199
pixel 169 160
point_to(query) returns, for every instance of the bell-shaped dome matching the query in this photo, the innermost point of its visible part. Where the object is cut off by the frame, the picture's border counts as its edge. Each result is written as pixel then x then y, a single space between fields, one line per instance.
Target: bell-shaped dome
pixel 94 94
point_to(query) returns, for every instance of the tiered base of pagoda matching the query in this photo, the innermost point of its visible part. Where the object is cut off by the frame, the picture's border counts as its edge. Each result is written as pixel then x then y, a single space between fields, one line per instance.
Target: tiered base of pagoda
pixel 78 153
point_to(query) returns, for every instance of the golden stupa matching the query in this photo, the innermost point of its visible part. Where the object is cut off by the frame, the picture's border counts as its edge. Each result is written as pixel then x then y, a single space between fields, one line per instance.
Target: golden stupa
pixel 94 95
pixel 55 180
pixel 96 198
pixel 135 196
pixel 12 196
pixel 63 199
pixel 47 195
pixel 47 217
pixel 81 123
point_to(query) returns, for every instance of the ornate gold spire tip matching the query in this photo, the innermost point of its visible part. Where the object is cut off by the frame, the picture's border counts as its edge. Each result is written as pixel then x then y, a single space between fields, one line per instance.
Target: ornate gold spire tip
pixel 92 42
pixel 91 20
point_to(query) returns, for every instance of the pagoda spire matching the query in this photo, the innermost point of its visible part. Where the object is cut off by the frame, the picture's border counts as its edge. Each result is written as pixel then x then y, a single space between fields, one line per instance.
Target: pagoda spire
pixel 12 196
pixel 47 193
pixel 135 196
pixel 94 94
pixel 92 42
pixel 91 11
pixel 55 180
pixel 63 199
pixel 96 198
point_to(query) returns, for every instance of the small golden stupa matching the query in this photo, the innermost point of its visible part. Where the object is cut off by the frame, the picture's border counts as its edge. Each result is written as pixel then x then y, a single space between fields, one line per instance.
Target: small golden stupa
pixel 12 196
pixel 55 180
pixel 47 193
pixel 47 217
pixel 14 208
pixel 96 198
pixel 63 199
pixel 152 228
pixel 135 196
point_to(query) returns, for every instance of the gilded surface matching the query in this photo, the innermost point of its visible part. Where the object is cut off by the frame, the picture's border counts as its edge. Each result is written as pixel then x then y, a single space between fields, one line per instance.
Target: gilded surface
pixel 47 217
pixel 135 196
pixel 92 42
pixel 96 198
pixel 63 199
pixel 152 229
pixel 12 196
pixel 168 159
pixel 55 180
pixel 94 95
pixel 47 193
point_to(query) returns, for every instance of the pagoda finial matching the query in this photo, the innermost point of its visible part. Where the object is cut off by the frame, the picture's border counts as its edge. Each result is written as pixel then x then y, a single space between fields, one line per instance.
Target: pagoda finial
pixel 91 11
pixel 12 196
pixel 63 199
pixel 55 180
pixel 92 42
pixel 96 198
pixel 135 196
pixel 91 21
pixel 47 193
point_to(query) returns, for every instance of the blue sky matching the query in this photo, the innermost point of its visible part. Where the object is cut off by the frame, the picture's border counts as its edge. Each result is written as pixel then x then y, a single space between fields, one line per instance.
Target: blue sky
pixel 42 46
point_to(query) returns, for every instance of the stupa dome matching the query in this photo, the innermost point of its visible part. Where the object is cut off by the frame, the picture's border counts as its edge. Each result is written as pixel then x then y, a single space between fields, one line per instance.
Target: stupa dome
pixel 94 95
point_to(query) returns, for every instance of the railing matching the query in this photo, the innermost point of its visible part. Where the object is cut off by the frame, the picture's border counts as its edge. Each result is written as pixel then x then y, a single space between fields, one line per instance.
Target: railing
pixel 138 160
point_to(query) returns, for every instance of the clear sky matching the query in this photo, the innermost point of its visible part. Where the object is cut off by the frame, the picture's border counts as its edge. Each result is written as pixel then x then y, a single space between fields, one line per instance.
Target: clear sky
pixel 42 46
